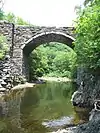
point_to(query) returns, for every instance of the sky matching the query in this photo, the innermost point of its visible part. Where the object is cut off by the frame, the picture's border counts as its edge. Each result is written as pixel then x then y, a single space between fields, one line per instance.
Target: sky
pixel 44 12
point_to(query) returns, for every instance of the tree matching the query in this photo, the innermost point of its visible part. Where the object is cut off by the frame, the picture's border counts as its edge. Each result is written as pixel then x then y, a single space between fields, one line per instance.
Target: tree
pixel 20 21
pixel 1 15
pixel 87 44
pixel 53 59
pixel 87 2
pixel 1 4
pixel 10 17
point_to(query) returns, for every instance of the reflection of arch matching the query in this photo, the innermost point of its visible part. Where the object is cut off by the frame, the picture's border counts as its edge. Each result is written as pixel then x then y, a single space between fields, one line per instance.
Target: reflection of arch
pixel 47 37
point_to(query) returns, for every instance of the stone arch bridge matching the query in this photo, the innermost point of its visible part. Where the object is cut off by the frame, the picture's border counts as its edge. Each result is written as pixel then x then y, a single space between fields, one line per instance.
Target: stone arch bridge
pixel 23 39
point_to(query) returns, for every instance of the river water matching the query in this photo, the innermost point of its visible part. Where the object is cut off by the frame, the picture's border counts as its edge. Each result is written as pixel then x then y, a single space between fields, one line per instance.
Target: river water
pixel 41 109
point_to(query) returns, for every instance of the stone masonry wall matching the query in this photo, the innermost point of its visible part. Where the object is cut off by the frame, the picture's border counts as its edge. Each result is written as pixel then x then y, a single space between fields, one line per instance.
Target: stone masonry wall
pixel 22 35
pixel 88 88
pixel 7 29
pixel 17 36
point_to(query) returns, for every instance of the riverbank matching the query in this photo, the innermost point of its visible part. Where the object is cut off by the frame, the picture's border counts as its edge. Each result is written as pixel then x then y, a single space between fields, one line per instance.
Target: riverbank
pixel 57 79
pixel 24 86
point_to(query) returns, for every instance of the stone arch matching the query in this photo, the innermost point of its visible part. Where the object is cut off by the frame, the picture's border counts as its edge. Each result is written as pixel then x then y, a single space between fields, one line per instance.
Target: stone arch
pixel 47 37
pixel 39 39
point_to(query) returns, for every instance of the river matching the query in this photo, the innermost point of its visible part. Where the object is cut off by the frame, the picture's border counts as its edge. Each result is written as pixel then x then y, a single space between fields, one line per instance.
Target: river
pixel 44 108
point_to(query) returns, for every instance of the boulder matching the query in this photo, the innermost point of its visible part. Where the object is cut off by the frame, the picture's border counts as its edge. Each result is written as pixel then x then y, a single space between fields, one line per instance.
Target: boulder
pixel 2 89
pixel 93 126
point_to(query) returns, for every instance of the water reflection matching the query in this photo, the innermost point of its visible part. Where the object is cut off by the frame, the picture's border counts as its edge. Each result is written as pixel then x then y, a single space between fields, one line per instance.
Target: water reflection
pixel 28 109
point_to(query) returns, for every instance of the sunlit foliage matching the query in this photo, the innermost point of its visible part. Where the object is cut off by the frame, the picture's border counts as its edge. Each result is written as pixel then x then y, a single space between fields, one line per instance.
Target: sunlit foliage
pixel 53 59
pixel 87 44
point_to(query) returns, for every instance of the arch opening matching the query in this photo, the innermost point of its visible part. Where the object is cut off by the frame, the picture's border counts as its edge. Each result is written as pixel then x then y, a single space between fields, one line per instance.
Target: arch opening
pixel 40 39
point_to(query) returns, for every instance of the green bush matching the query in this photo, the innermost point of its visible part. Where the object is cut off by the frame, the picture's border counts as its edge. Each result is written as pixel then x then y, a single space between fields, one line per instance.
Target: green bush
pixel 53 59
pixel 1 15
pixel 87 44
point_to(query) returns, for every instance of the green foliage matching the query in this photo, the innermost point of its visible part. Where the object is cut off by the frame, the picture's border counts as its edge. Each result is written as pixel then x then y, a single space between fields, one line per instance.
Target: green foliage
pixel 87 2
pixel 87 44
pixel 1 15
pixel 53 59
pixel 37 64
pixel 20 21
pixel 10 17
pixel 3 46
